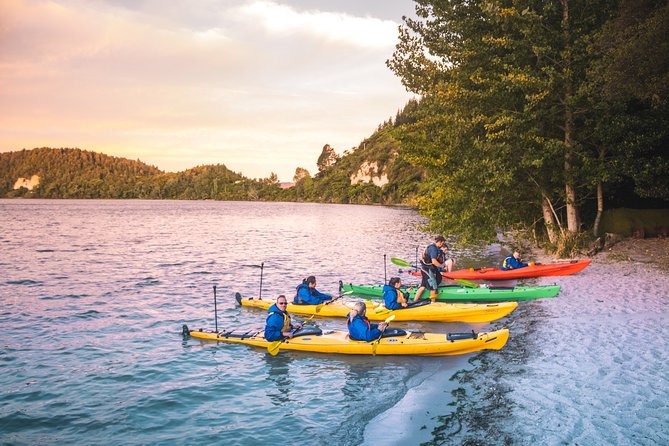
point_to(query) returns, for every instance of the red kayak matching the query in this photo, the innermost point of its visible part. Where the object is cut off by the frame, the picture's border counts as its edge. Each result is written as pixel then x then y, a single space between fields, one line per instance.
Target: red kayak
pixel 543 269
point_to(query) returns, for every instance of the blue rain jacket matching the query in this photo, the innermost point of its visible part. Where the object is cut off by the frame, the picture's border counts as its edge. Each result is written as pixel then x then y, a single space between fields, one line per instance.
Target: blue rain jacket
pixel 390 297
pixel 361 330
pixel 511 263
pixel 309 296
pixel 275 323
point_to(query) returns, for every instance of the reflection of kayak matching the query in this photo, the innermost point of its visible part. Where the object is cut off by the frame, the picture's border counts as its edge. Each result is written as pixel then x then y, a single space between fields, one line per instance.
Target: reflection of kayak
pixel 463 294
pixel 544 269
pixel 436 311
pixel 394 342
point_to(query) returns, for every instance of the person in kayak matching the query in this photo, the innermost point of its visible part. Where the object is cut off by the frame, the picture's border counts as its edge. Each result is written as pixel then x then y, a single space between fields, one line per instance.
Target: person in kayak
pixel 278 324
pixel 393 296
pixel 432 260
pixel 513 262
pixel 307 294
pixel 359 327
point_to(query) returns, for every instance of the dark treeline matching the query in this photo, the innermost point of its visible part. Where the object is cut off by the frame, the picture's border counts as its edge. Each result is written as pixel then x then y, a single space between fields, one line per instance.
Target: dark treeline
pixel 536 114
pixel 75 173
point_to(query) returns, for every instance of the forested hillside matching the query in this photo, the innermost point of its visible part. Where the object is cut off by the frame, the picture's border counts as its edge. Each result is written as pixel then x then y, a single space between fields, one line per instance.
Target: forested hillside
pixel 374 172
pixel 75 173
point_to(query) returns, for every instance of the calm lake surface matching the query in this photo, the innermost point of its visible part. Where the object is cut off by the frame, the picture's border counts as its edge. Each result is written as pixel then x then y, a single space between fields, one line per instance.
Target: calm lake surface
pixel 93 295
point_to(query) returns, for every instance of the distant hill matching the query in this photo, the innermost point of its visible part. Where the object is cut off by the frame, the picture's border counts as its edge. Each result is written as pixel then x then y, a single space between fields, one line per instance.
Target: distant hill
pixel 75 173
pixel 373 172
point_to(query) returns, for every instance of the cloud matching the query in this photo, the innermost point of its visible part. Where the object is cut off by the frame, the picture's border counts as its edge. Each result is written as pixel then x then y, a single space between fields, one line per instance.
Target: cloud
pixel 258 87
pixel 329 26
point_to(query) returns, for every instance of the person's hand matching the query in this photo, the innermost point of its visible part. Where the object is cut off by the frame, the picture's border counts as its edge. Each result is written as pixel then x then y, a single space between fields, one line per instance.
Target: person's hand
pixel 382 326
pixel 297 326
pixel 404 304
pixel 288 334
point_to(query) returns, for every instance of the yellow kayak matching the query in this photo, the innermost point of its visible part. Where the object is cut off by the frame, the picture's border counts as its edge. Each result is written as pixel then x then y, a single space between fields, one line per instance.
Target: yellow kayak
pixel 394 342
pixel 435 311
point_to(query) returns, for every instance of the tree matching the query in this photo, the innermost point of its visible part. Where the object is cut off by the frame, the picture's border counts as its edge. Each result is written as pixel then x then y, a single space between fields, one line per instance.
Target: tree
pixel 500 127
pixel 327 158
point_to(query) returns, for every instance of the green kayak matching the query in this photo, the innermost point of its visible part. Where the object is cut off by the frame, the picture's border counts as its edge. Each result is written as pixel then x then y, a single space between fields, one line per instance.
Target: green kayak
pixel 463 294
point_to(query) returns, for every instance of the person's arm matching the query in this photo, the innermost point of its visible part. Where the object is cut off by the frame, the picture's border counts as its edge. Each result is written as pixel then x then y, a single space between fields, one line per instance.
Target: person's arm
pixel 433 252
pixel 322 296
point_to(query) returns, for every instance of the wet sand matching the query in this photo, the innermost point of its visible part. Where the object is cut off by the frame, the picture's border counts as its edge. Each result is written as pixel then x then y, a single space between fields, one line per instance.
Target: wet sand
pixel 588 367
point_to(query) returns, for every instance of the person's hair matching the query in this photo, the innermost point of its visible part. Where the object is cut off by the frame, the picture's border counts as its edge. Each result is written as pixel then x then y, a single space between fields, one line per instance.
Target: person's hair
pixel 280 296
pixel 360 307
pixel 439 238
pixel 394 280
pixel 309 280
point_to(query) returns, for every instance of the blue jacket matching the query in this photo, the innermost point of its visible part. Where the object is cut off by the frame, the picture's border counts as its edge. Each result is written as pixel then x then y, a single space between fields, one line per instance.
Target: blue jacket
pixel 511 263
pixel 390 297
pixel 309 296
pixel 361 330
pixel 274 323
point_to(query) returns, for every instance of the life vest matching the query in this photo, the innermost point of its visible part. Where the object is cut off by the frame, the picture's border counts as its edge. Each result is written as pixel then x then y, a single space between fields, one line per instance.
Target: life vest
pixel 400 297
pixel 427 260
pixel 287 326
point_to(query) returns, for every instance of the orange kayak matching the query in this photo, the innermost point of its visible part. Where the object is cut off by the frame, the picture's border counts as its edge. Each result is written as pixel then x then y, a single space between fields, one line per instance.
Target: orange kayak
pixel 541 270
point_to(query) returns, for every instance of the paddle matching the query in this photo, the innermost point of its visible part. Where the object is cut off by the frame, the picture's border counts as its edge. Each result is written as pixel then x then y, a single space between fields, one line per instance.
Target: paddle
pixel 378 340
pixel 273 348
pixel 467 283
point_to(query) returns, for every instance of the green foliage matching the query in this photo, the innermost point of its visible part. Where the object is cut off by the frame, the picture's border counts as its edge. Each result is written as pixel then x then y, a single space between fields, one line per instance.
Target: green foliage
pixel 511 113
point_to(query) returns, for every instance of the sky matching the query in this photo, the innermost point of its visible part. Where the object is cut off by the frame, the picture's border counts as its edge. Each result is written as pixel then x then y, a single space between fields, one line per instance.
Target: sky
pixel 260 86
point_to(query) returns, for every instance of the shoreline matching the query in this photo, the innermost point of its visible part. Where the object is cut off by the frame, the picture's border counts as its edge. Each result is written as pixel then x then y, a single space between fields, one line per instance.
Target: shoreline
pixel 514 395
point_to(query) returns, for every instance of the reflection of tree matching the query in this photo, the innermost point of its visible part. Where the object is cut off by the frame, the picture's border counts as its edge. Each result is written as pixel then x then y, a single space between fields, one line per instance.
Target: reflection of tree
pixel 278 374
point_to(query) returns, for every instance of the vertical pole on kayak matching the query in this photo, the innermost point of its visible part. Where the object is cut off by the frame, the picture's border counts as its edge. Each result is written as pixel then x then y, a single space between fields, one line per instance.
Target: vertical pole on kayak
pixel 215 310
pixel 262 266
pixel 385 274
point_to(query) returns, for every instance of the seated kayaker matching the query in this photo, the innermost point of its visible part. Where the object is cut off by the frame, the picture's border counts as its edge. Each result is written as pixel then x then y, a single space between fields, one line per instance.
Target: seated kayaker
pixel 278 325
pixel 393 296
pixel 359 327
pixel 513 261
pixel 307 294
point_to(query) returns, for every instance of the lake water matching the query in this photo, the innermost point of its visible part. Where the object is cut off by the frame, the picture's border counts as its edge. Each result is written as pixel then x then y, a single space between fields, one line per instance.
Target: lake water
pixel 93 295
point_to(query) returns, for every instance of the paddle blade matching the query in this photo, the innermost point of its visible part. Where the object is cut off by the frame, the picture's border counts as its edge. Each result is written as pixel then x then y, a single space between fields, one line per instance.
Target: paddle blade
pixel 399 262
pixel 390 318
pixel 467 283
pixel 273 348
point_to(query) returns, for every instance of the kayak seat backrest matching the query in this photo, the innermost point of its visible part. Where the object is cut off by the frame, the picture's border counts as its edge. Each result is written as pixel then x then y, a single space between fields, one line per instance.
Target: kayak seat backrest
pixel 390 332
pixel 308 330
pixel 461 336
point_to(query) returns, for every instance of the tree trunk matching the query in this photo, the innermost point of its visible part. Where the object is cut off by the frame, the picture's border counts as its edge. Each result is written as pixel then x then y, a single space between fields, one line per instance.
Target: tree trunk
pixel 600 197
pixel 573 218
pixel 549 219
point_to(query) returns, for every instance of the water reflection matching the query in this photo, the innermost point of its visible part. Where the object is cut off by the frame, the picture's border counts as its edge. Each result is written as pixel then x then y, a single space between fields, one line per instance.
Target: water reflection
pixel 278 377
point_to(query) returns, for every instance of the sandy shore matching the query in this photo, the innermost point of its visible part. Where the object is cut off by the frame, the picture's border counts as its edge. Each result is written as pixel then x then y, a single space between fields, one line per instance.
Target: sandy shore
pixel 588 367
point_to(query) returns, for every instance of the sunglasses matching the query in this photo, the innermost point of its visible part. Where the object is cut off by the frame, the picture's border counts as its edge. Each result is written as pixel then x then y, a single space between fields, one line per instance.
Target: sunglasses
pixel 282 303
